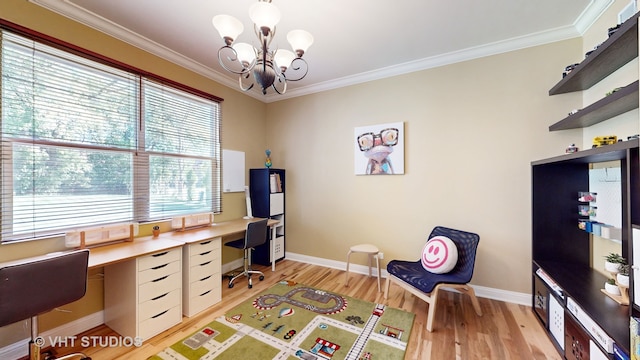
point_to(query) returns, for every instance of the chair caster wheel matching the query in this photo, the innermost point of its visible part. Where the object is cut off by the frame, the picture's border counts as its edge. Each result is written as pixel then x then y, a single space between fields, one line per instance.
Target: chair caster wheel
pixel 250 286
pixel 261 277
pixel 230 285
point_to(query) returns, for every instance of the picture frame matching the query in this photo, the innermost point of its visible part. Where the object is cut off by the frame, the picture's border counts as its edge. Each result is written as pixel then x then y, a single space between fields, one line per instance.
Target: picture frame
pixel 379 149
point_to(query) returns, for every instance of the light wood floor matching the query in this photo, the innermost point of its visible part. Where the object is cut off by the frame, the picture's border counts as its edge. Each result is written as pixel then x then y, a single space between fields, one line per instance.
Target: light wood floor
pixel 505 331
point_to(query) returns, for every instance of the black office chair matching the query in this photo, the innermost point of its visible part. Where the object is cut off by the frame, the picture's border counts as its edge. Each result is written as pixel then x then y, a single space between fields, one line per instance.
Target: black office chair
pixel 32 286
pixel 255 235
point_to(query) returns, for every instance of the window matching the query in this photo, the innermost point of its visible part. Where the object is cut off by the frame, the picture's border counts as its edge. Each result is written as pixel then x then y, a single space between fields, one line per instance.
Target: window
pixel 85 144
pixel 182 145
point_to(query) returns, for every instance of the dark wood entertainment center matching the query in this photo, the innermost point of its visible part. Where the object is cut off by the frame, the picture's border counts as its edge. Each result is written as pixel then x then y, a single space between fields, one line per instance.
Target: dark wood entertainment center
pixel 567 296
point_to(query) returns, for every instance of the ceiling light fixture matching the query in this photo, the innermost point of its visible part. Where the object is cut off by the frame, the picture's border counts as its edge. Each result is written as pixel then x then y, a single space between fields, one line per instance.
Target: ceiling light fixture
pixel 271 68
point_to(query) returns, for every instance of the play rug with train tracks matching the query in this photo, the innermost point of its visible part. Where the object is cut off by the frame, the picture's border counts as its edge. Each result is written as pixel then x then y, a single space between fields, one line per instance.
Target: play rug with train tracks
pixel 292 321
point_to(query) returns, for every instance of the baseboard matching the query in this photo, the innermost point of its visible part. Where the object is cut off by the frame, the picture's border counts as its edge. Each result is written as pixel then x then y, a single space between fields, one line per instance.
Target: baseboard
pixel 16 350
pixel 235 264
pixel 340 265
pixel 20 348
pixel 481 291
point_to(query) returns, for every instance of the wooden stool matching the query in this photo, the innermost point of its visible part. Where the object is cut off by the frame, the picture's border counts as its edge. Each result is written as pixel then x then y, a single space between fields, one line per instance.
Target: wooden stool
pixel 369 249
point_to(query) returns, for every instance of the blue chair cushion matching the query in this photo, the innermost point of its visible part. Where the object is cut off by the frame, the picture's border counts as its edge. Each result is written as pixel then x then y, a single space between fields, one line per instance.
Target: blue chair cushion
pixel 412 273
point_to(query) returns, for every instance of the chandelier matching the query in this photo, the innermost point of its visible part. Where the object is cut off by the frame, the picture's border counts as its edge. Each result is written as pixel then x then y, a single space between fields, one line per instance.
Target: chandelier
pixel 270 67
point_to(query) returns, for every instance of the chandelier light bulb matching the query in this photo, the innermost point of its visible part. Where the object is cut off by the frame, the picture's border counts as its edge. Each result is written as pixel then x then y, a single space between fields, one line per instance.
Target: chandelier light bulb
pixel 264 15
pixel 300 41
pixel 246 52
pixel 284 58
pixel 228 27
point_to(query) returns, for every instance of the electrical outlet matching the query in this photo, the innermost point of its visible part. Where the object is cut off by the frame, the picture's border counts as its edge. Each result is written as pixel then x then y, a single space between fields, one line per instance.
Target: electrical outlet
pixel 380 255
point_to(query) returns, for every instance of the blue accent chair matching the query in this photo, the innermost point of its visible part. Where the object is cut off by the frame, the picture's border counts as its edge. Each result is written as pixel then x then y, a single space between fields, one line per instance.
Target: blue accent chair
pixel 412 277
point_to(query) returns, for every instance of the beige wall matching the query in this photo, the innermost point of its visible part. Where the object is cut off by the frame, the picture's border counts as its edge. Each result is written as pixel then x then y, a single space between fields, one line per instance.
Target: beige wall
pixel 472 130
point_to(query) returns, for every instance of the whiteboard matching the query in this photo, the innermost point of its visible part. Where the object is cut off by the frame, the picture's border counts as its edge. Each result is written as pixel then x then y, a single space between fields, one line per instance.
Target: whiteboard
pixel 232 171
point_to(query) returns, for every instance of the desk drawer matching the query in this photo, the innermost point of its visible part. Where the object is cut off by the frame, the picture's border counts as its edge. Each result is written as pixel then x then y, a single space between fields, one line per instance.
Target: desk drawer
pixel 159 258
pixel 201 286
pixel 158 304
pixel 204 246
pixel 204 257
pixel 152 289
pixel 158 272
pixel 200 302
pixel 160 322
pixel 197 272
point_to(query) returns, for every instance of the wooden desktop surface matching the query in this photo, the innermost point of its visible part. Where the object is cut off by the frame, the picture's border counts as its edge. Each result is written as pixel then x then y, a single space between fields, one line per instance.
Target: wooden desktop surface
pixel 111 254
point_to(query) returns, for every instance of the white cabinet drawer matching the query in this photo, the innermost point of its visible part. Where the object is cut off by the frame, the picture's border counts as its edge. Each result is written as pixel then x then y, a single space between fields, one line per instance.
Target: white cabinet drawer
pixel 158 304
pixel 278 243
pixel 160 258
pixel 204 246
pixel 158 272
pixel 199 287
pixel 276 204
pixel 201 302
pixel 158 287
pixel 160 322
pixel 205 257
pixel 210 268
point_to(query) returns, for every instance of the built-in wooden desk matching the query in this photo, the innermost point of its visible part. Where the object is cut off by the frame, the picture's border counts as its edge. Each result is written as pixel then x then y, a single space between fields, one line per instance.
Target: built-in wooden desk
pixel 220 230
pixel 115 253
pixel 111 254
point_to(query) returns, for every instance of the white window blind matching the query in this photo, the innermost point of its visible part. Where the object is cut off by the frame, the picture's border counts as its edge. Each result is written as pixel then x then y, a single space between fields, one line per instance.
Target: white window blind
pixel 183 145
pixel 87 144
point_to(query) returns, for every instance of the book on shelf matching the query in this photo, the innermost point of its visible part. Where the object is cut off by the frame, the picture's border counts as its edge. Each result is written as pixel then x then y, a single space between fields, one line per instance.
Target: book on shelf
pixel 619 354
pixel 275 183
pixel 278 183
pixel 272 183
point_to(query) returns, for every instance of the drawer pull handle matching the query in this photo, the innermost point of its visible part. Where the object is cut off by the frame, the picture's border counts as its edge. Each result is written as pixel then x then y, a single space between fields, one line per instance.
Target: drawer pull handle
pixel 160 279
pixel 205 264
pixel 162 313
pixel 159 267
pixel 205 293
pixel 205 253
pixel 160 254
pixel 160 297
pixel 205 278
pixel 205 242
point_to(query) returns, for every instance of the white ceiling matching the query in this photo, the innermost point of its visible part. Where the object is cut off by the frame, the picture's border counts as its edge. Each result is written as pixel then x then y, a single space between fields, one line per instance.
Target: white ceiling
pixel 355 40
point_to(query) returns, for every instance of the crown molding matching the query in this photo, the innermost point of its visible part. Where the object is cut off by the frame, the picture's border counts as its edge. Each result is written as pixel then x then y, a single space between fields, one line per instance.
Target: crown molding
pixel 591 13
pixel 586 19
pixel 495 48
